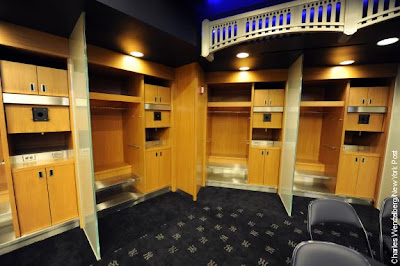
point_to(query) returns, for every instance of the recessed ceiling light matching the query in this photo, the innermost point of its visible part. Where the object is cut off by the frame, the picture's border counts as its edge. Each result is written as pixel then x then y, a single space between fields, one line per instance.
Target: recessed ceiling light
pixel 347 62
pixel 137 54
pixel 242 55
pixel 244 68
pixel 388 41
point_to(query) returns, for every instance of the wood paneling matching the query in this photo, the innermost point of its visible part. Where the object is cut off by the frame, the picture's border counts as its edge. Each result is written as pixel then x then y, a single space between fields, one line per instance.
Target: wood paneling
pixel 164 122
pixel 52 82
pixel 309 136
pixel 62 193
pixel 347 72
pixel 367 175
pixel 276 121
pixel 270 75
pixel 18 77
pixel 33 40
pixel 276 97
pixel 104 57
pixel 256 167
pixel 32 200
pixel 229 134
pixel 19 119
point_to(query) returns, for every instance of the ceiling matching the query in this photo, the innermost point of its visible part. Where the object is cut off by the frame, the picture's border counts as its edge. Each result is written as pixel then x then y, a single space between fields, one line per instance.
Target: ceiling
pixel 168 32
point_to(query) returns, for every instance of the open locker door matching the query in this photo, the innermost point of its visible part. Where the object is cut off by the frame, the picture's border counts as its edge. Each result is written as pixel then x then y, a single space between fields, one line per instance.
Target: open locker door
pixel 82 134
pixel 290 132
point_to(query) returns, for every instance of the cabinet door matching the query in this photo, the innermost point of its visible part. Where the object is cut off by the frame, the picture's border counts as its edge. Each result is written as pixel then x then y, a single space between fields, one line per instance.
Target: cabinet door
pixel 276 97
pixel 358 96
pixel 18 78
pixel 157 119
pixel 164 95
pixel 52 82
pixel 375 122
pixel 150 94
pixel 267 120
pixel 347 175
pixel 378 96
pixel 62 193
pixel 152 170
pixel 165 168
pixel 255 173
pixel 261 97
pixel 32 200
pixel 271 167
pixel 367 177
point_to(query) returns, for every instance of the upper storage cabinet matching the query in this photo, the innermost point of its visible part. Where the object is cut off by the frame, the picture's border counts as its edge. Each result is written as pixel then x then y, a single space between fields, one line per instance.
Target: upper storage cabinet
pixel 155 94
pixel 269 94
pixel 368 96
pixel 30 79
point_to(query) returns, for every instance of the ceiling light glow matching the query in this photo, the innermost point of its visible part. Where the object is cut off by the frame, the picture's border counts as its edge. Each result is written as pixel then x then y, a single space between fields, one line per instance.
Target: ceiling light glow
pixel 242 55
pixel 347 62
pixel 387 41
pixel 244 68
pixel 137 54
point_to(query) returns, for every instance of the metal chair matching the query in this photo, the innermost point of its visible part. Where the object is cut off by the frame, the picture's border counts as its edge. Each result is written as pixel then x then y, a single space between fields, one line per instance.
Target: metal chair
pixel 385 241
pixel 316 253
pixel 334 211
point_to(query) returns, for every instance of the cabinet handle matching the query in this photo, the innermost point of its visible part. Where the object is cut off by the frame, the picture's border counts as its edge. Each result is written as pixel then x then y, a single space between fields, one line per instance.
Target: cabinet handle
pixel 270 102
pixel 363 101
pixel 363 160
pixel 156 154
pixel 160 153
pixel 40 174
pixel 43 86
pixel 262 152
pixel 370 101
pixel 267 153
pixel 356 159
pixel 51 172
pixel 160 99
pixel 155 99
pixel 32 86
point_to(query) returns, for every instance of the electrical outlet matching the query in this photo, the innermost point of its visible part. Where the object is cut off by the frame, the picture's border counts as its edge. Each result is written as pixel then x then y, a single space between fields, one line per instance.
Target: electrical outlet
pixel 29 157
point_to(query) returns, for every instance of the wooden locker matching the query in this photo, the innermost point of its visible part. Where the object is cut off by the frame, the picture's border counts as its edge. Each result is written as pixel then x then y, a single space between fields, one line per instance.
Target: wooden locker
pixel 276 97
pixel 378 96
pixel 271 167
pixel 367 175
pixel 152 170
pixel 151 122
pixel 165 168
pixel 52 82
pixel 347 175
pixel 31 196
pixel 358 96
pixel 375 123
pixel 18 78
pixel 256 166
pixel 62 192
pixel 150 94
pixel 164 95
pixel 261 97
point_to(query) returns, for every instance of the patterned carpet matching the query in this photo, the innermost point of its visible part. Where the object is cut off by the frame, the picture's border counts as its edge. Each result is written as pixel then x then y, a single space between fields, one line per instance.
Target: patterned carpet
pixel 224 227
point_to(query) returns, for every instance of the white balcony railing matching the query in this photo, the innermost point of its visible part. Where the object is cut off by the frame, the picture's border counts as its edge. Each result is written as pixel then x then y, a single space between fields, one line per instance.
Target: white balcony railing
pixel 345 16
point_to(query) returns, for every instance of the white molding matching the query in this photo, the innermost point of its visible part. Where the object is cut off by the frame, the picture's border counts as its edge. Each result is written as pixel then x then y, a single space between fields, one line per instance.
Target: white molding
pixel 288 17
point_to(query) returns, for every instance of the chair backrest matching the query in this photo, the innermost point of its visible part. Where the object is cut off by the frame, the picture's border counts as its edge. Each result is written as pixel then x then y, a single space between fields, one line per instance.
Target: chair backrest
pixel 316 253
pixel 334 211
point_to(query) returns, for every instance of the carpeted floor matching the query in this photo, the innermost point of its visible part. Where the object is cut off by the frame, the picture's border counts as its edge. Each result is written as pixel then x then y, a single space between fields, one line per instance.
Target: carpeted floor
pixel 224 227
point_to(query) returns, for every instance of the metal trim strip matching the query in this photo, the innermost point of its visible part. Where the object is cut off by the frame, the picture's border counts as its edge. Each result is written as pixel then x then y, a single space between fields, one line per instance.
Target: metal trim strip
pixel 368 109
pixel 12 98
pixel 267 109
pixel 159 107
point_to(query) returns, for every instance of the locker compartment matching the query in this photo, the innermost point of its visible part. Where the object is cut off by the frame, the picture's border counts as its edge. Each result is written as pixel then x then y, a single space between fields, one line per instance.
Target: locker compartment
pixel 267 120
pixel 156 118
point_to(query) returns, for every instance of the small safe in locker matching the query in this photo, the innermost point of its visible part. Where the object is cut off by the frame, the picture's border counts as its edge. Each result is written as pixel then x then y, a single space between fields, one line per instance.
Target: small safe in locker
pixel 363 119
pixel 40 114
pixel 157 116
pixel 267 118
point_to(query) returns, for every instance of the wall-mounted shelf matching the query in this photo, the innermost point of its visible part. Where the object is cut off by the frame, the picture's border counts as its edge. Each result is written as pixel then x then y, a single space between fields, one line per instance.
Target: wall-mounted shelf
pixel 112 170
pixel 114 97
pixel 229 104
pixel 322 103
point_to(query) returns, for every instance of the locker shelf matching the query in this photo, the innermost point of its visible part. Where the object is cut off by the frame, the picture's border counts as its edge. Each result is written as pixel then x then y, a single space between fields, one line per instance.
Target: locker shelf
pixel 115 181
pixel 229 104
pixel 322 103
pixel 113 97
